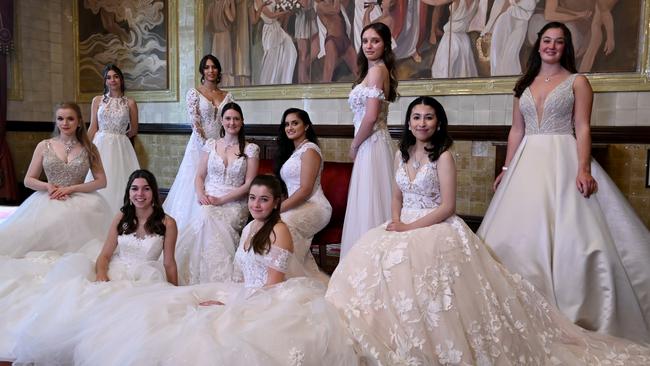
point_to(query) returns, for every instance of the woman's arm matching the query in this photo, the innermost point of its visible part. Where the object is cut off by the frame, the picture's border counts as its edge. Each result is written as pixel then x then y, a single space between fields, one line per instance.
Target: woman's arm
pixel 396 200
pixel 252 166
pixel 193 113
pixel 376 78
pixel 169 246
pixel 133 117
pixel 32 177
pixel 282 239
pixel 92 129
pixel 199 180
pixel 309 166
pixel 447 178
pixel 104 258
pixel 516 134
pixel 582 115
pixel 553 12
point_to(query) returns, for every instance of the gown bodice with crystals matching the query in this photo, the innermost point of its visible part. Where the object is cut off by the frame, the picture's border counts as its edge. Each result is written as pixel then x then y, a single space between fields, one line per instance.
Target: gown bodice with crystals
pixel 222 178
pixel 358 100
pixel 64 174
pixel 254 267
pixel 423 192
pixel 557 114
pixel 204 113
pixel 133 249
pixel 113 115
pixel 290 171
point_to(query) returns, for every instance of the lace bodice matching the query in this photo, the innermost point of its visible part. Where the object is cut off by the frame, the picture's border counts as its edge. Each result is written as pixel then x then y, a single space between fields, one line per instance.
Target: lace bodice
pixel 132 249
pixel 255 267
pixel 203 113
pixel 424 191
pixel 358 101
pixel 113 115
pixel 290 171
pixel 221 178
pixel 557 114
pixel 64 174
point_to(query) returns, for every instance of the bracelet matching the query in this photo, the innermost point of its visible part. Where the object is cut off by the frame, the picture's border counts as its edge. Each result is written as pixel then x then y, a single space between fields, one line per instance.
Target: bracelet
pixel 504 168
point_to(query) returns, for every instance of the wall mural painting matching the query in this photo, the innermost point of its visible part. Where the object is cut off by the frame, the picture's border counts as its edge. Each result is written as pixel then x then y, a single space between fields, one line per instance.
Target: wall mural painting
pixel 134 34
pixel 273 42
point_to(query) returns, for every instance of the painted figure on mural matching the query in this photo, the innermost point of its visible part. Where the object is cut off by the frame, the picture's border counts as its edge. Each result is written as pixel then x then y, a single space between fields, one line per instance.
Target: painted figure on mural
pixel 219 20
pixel 280 55
pixel 334 29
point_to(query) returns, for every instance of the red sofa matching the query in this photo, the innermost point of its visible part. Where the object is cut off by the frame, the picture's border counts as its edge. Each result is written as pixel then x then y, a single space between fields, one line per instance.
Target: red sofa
pixel 335 181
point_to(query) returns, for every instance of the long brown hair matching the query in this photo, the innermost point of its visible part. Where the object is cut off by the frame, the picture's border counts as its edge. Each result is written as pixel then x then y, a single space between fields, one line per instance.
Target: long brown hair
pixel 388 57
pixel 261 241
pixel 156 222
pixel 81 134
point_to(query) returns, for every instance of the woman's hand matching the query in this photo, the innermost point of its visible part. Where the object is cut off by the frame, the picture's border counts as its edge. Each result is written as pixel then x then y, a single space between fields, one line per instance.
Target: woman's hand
pixel 215 201
pixel 102 277
pixel 586 184
pixel 497 180
pixel 397 226
pixel 211 302
pixel 353 152
pixel 61 193
pixel 204 199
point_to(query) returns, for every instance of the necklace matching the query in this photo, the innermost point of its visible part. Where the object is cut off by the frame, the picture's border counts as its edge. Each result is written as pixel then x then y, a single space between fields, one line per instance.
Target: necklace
pixel 230 144
pixel 68 145
pixel 548 78
pixel 301 143
pixel 416 164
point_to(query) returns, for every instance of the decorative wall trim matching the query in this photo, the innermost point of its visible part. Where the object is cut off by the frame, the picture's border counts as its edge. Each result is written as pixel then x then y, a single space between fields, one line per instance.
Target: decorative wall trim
pixel 599 134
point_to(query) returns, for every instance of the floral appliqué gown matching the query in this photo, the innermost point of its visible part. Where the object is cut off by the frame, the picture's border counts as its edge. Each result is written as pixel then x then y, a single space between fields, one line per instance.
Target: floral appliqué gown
pixel 588 257
pixel 369 196
pixel 49 298
pixel 311 216
pixel 436 296
pixel 206 247
pixel 289 323
pixel 115 149
pixel 181 203
pixel 41 223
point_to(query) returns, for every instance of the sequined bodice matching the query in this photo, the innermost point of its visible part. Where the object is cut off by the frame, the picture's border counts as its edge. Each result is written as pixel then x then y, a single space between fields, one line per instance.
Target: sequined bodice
pixel 255 267
pixel 202 111
pixel 290 171
pixel 136 250
pixel 557 114
pixel 423 192
pixel 113 115
pixel 221 178
pixel 64 174
pixel 358 101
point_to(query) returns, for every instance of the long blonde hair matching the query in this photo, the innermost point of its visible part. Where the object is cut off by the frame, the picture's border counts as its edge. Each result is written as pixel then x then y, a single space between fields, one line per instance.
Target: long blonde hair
pixel 81 133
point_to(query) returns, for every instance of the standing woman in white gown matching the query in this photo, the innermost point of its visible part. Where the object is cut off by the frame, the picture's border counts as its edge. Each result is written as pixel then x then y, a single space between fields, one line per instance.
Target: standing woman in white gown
pixel 371 149
pixel 280 55
pixel 113 121
pixel 206 247
pixel 64 213
pixel 299 163
pixel 204 111
pixel 556 217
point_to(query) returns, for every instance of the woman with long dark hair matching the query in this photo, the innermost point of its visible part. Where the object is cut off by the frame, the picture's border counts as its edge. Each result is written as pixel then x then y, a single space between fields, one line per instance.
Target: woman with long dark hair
pixel 370 185
pixel 423 289
pixel 556 217
pixel 113 120
pixel 204 107
pixel 299 163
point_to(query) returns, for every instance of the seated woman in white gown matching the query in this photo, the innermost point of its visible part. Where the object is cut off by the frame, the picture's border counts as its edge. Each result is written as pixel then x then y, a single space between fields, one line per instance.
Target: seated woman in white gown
pixel 64 213
pixel 204 111
pixel 113 120
pixel 557 218
pixel 272 318
pixel 206 247
pixel 54 295
pixel 424 290
pixel 299 163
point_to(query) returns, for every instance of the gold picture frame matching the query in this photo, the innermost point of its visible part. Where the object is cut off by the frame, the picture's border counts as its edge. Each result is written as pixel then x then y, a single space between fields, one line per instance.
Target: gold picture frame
pixel 170 92
pixel 601 82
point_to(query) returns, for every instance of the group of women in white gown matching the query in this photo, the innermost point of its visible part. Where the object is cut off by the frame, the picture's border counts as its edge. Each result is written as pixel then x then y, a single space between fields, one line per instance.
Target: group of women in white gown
pixel 559 245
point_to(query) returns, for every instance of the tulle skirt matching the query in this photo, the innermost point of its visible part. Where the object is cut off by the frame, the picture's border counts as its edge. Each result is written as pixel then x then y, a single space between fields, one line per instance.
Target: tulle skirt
pixel 119 160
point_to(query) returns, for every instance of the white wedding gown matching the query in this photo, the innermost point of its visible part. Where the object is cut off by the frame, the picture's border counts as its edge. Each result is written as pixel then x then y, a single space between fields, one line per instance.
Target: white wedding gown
pixel 312 215
pixel 181 203
pixel 436 296
pixel 41 223
pixel 115 149
pixel 454 56
pixel 369 196
pixel 206 247
pixel 589 257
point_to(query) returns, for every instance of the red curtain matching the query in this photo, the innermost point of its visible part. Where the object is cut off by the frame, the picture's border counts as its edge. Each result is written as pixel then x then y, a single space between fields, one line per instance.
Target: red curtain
pixel 8 188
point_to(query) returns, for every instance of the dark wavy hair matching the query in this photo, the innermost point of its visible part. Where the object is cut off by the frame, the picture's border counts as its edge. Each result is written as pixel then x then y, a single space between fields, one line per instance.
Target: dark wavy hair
pixel 129 223
pixel 286 146
pixel 203 63
pixel 241 136
pixel 112 67
pixel 440 140
pixel 568 59
pixel 261 241
pixel 388 57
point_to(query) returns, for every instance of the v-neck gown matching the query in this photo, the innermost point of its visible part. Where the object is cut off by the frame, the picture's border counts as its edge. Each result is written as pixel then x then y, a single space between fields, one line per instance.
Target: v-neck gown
pixel 588 256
